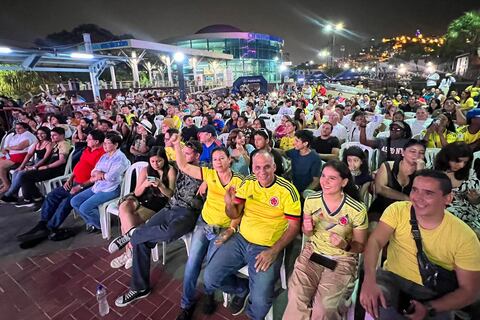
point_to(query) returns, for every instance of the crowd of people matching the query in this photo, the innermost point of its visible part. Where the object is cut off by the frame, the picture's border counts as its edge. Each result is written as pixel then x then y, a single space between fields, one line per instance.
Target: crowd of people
pixel 246 174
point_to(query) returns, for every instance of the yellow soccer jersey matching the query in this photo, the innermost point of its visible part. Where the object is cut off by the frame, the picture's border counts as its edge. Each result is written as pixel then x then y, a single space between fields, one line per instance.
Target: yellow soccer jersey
pixel 350 215
pixel 286 143
pixel 213 211
pixel 267 209
pixel 452 243
pixel 466 136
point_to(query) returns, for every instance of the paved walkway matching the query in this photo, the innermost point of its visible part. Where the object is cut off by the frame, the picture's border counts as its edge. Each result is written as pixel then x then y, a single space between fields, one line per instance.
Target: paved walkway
pixel 57 280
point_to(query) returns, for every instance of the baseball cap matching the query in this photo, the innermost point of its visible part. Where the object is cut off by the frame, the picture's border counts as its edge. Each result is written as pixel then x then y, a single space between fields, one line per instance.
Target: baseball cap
pixel 195 145
pixel 209 129
pixel 474 113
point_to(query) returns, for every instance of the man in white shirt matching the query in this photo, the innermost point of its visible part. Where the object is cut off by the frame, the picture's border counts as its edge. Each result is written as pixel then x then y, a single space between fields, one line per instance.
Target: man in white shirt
pixel 338 129
pixel 420 122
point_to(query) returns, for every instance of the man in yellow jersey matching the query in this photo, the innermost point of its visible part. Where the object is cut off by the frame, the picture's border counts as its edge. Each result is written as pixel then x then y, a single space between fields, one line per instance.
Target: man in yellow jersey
pixel 447 242
pixel 270 209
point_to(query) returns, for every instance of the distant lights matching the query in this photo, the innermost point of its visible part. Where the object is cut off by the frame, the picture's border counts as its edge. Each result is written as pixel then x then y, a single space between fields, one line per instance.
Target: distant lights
pixel 283 68
pixel 5 50
pixel 81 55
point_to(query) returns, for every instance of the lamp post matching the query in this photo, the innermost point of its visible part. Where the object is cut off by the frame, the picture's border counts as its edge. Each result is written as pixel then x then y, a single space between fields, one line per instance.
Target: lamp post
pixel 334 29
pixel 179 57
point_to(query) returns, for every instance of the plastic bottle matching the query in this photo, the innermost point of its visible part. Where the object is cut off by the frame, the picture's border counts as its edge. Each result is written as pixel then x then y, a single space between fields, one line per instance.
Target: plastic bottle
pixel 103 308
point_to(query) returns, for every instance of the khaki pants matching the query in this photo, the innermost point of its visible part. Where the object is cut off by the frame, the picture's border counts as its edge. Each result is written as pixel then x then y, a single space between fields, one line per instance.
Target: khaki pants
pixel 316 292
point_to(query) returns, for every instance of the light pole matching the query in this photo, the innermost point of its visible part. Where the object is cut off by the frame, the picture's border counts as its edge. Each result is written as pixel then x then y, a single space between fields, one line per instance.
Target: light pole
pixel 333 28
pixel 179 57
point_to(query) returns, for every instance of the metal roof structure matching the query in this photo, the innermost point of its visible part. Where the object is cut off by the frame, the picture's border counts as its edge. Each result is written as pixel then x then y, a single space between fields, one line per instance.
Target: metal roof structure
pixel 158 47
pixel 45 61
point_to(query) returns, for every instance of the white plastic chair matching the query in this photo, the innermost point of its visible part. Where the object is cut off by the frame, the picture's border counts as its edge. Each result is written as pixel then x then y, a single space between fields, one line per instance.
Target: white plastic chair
pixel 224 138
pixel 283 281
pixel 187 239
pixel 111 207
pixel 198 121
pixel 430 154
pixel 370 151
pixel 49 185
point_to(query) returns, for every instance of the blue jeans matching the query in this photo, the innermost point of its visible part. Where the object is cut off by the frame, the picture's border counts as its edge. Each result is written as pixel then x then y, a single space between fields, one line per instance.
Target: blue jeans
pixel 56 207
pixel 167 225
pixel 221 271
pixel 86 204
pixel 203 245
pixel 16 184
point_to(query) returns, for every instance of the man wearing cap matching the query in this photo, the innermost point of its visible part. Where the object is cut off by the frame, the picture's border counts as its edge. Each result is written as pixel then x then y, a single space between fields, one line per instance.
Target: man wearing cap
pixel 143 141
pixel 207 135
pixel 469 128
pixel 176 219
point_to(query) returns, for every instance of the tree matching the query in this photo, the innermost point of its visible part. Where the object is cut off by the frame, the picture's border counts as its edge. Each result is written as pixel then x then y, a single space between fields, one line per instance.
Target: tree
pixel 463 35
pixel 18 84
pixel 64 37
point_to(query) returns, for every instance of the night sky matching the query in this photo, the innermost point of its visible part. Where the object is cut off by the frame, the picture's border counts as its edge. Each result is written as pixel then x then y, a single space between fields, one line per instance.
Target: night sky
pixel 298 22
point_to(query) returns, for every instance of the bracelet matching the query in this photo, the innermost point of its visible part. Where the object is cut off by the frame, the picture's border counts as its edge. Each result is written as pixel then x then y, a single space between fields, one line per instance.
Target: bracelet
pixel 233 228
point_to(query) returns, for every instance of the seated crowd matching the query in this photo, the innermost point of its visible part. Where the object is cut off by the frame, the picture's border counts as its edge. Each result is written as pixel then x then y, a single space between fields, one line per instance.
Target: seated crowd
pixel 394 181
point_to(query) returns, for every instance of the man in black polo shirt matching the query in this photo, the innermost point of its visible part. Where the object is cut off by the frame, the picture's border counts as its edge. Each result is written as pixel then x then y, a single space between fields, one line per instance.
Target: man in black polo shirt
pixel 326 145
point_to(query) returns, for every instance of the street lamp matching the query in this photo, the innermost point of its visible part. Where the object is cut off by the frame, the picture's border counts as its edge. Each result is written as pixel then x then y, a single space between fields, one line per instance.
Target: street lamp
pixel 334 29
pixel 324 53
pixel 179 57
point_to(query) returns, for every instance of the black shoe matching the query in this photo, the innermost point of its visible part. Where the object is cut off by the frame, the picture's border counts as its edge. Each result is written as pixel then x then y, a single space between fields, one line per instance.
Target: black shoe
pixel 9 199
pixel 118 243
pixel 39 231
pixel 131 296
pixel 210 305
pixel 186 314
pixel 238 304
pixel 61 234
pixel 37 207
pixel 92 229
pixel 24 203
pixel 31 243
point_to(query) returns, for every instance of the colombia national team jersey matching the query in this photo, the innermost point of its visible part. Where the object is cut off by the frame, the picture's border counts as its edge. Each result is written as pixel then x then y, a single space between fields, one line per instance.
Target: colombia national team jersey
pixel 267 209
pixel 213 211
pixel 349 216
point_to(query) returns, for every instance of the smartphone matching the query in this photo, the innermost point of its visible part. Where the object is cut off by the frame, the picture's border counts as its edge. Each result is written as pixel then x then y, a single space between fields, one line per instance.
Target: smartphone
pixel 151 178
pixel 323 261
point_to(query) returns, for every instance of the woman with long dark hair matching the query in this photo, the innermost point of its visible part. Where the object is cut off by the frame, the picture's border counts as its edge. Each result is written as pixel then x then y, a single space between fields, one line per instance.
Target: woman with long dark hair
pixel 456 161
pixel 394 179
pixel 240 151
pixel 37 155
pixel 154 187
pixel 336 223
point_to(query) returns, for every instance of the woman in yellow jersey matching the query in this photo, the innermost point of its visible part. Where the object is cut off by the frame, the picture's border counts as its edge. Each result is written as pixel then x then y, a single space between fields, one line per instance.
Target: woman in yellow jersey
pixel 286 142
pixel 324 273
pixel 440 132
pixel 466 101
pixel 213 226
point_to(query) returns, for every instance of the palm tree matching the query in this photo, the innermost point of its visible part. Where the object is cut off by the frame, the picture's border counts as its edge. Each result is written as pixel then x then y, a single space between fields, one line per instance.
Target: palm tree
pixel 463 34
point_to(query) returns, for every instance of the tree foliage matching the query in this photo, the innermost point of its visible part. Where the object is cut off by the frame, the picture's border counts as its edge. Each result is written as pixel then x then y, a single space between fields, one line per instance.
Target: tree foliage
pixel 64 37
pixel 463 34
pixel 18 84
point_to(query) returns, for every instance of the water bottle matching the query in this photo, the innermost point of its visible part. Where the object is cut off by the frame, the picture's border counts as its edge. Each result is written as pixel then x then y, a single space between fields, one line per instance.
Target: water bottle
pixel 103 307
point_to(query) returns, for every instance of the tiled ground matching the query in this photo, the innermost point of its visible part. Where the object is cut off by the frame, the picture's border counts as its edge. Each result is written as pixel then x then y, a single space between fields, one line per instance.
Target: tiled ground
pixel 61 285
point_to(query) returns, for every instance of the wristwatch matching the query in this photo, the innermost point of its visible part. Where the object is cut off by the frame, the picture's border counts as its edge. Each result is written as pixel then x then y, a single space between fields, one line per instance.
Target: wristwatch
pixel 430 309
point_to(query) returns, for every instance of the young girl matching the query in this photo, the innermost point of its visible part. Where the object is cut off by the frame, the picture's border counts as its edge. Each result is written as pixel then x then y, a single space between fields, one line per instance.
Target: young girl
pixel 357 162
pixel 336 223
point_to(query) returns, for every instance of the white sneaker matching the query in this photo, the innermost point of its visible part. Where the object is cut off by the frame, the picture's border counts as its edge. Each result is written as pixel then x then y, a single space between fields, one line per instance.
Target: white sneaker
pixel 120 261
pixel 128 263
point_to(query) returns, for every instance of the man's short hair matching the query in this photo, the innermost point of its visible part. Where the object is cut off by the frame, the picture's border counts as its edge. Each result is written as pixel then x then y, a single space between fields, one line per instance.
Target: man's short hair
pixel 442 178
pixel 58 130
pixel 264 152
pixel 305 136
pixel 109 123
pixel 114 137
pixel 172 131
pixel 97 135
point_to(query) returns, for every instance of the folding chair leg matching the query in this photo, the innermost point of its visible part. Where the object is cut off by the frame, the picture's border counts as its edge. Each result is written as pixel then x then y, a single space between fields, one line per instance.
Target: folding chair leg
pixel 164 252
